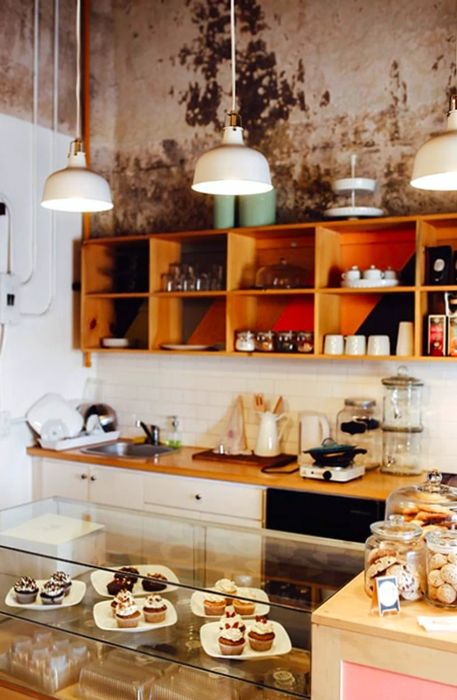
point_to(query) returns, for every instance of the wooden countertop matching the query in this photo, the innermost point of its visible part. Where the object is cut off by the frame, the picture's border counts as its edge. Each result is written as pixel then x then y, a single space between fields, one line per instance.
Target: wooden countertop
pixel 373 485
pixel 349 609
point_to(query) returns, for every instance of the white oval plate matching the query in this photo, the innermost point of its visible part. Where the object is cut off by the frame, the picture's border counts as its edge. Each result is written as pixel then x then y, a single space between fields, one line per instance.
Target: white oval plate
pixel 197 598
pixel 103 617
pixel 115 342
pixel 77 592
pixel 210 633
pixel 100 579
pixel 173 346
pixel 354 212
pixel 366 284
pixel 356 184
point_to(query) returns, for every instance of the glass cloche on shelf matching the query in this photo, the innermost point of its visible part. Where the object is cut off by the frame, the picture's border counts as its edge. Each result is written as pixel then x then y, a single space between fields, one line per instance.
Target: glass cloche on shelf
pixel 281 275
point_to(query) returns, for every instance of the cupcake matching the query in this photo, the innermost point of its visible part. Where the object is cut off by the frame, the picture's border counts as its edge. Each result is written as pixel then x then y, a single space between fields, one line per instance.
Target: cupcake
pixel 227 588
pixel 123 596
pixel 153 582
pixel 118 584
pixel 244 607
pixel 213 604
pixel 127 614
pixel 26 590
pixel 261 635
pixel 230 618
pixel 52 593
pixel 232 642
pixel 63 580
pixel 154 609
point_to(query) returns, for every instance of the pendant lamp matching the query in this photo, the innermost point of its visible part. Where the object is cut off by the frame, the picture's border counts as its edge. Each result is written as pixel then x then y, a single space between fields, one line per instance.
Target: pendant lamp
pixel 435 165
pixel 232 168
pixel 76 188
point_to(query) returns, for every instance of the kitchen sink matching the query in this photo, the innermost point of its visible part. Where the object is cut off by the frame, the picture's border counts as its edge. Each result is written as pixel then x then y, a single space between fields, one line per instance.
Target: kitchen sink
pixel 128 449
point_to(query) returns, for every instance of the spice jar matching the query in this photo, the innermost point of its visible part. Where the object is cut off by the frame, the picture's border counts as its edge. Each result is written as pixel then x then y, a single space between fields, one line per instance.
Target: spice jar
pixel 286 341
pixel 265 341
pixel 441 565
pixel 396 548
pixel 358 424
pixel 245 341
pixel 305 341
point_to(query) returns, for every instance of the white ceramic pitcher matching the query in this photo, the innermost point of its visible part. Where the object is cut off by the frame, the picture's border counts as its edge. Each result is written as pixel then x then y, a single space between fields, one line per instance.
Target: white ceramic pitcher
pixel 269 435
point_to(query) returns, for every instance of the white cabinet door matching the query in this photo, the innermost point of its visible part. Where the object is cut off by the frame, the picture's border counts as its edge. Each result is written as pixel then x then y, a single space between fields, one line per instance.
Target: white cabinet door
pixel 116 487
pixel 66 479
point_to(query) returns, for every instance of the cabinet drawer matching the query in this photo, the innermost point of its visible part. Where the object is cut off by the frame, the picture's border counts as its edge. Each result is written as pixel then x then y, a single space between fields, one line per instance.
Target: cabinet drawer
pixel 204 496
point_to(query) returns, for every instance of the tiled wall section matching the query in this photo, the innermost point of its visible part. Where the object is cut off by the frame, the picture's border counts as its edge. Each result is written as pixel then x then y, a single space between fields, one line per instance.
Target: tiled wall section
pixel 200 391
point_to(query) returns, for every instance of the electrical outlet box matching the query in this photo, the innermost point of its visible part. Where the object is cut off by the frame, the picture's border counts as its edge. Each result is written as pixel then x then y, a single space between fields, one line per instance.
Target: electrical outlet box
pixel 5 423
pixel 9 298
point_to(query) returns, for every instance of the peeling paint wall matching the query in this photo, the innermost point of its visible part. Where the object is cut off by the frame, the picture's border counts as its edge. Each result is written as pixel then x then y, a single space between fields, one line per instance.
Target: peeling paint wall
pixel 317 81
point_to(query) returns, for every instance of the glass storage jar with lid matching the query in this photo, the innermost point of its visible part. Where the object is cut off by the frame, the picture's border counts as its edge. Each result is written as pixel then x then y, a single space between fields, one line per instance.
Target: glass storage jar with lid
pixel 281 275
pixel 396 548
pixel 441 567
pixel 430 504
pixel 358 424
pixel 402 402
pixel 245 341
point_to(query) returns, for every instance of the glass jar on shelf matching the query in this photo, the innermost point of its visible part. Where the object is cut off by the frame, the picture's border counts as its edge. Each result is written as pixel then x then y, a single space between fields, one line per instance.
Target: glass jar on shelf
pixel 265 341
pixel 286 341
pixel 358 424
pixel 441 567
pixel 245 341
pixel 396 548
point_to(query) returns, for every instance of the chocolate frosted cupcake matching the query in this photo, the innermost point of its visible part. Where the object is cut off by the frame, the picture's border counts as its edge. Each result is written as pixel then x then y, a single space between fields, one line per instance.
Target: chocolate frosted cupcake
pixel 153 582
pixel 25 590
pixel 129 572
pixel 118 584
pixel 52 593
pixel 63 579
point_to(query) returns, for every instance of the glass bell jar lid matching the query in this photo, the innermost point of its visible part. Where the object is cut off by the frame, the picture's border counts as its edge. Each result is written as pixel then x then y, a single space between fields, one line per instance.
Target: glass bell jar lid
pixel 430 504
pixel 396 528
pixel 281 275
pixel 402 379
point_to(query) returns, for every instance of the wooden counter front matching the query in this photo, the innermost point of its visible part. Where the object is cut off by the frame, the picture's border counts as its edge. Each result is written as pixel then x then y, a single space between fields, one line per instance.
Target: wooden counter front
pixel 374 485
pixel 347 635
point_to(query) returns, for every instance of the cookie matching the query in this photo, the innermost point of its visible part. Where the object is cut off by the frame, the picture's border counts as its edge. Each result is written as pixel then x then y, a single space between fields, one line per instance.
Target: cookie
pixel 449 574
pixel 438 560
pixel 377 554
pixel 435 579
pixel 380 566
pixel 452 557
pixel 446 594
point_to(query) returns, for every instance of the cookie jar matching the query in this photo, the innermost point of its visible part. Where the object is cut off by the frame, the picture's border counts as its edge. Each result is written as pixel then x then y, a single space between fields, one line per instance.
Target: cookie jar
pixel 429 504
pixel 396 548
pixel 441 567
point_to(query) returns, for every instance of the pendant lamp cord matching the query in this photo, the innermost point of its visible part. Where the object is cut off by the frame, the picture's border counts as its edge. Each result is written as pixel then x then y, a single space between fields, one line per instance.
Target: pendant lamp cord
pixel 233 52
pixel 78 70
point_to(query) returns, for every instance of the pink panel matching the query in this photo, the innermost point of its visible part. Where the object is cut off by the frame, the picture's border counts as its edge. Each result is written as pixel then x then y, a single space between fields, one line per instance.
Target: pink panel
pixel 362 682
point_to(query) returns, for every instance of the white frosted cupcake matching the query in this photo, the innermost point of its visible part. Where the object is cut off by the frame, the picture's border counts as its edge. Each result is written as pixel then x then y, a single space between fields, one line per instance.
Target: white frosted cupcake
pixel 232 642
pixel 123 596
pixel 261 635
pixel 231 619
pixel 227 588
pixel 127 614
pixel 213 604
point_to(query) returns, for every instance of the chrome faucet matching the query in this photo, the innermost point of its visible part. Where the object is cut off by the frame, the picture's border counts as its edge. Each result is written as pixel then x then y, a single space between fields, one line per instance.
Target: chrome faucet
pixel 152 432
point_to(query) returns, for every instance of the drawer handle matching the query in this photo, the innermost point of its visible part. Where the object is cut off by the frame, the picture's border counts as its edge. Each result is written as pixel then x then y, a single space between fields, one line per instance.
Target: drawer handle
pixel 198 497
pixel 83 476
pixel 93 478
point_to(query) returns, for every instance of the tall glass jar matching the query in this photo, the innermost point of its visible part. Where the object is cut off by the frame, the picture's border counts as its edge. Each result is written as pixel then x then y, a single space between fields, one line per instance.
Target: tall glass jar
pixel 402 403
pixel 396 548
pixel 358 424
pixel 441 564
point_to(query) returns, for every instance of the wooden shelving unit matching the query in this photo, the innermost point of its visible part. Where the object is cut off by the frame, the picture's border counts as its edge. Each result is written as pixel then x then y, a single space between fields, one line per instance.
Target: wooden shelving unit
pixel 122 284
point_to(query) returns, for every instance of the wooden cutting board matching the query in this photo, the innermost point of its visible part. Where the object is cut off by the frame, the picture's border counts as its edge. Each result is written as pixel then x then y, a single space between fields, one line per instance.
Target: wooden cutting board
pixel 252 460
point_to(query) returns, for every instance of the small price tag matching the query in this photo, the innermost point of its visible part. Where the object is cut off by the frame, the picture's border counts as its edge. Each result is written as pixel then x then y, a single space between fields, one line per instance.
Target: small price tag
pixel 385 595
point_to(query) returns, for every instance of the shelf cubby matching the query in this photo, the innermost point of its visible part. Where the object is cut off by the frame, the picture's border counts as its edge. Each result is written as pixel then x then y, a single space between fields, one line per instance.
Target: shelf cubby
pixel 125 317
pixel 188 318
pixel 116 266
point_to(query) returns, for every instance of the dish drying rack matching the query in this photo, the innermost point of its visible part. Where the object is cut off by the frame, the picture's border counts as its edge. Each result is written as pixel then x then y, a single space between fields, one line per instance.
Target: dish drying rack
pixel 83 440
pixel 350 186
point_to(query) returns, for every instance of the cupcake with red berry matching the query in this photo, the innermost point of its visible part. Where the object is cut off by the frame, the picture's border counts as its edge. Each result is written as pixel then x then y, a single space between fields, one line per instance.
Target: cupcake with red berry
pixel 230 618
pixel 231 641
pixel 25 590
pixel 261 635
pixel 154 609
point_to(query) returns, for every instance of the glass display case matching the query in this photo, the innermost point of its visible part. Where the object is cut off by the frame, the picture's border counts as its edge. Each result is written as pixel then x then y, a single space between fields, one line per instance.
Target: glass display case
pixel 211 610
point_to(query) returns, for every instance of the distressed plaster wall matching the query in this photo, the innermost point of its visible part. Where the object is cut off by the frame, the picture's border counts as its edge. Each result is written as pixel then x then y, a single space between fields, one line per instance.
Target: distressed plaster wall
pixel 316 82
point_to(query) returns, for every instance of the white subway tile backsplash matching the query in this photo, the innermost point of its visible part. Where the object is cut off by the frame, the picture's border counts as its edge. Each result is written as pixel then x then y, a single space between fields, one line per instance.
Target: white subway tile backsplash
pixel 200 390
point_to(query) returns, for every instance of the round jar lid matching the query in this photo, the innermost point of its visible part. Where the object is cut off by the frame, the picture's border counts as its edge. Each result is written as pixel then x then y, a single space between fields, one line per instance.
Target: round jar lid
pixel 442 539
pixel 402 379
pixel 395 528
pixel 359 402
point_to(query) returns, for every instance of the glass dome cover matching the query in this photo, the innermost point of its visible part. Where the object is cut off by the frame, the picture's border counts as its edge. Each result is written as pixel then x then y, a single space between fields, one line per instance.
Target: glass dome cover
pixel 281 275
pixel 430 504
